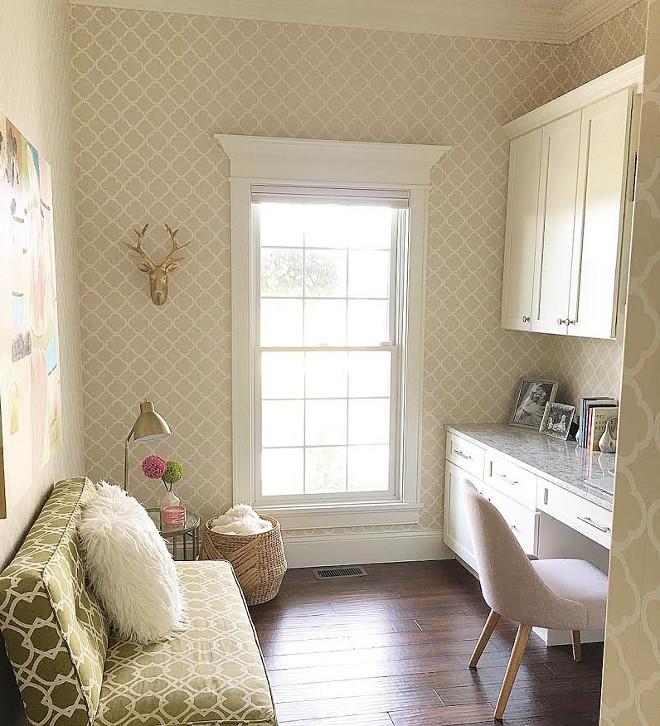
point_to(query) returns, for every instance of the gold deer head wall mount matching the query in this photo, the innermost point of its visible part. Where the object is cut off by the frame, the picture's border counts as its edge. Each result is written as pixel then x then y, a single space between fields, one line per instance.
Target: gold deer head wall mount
pixel 158 274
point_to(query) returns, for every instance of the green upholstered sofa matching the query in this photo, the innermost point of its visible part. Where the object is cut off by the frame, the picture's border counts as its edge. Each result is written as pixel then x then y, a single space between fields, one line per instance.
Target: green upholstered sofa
pixel 71 673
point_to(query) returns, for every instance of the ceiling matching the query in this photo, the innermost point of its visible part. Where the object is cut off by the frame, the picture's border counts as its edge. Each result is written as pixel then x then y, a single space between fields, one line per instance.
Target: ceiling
pixel 545 21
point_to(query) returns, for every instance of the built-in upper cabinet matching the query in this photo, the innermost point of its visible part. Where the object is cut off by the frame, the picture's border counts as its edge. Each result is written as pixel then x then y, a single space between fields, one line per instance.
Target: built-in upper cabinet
pixel 569 209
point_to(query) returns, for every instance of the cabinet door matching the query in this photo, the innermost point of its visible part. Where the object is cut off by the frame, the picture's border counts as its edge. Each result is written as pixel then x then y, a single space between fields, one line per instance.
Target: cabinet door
pixel 605 135
pixel 456 534
pixel 560 154
pixel 521 229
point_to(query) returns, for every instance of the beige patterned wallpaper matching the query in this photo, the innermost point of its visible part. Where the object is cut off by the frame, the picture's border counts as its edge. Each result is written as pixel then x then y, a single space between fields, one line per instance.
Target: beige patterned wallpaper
pixel 35 94
pixel 151 89
pixel 631 686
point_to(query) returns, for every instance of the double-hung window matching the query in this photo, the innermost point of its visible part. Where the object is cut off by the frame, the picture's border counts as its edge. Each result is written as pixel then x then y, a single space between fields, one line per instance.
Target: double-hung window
pixel 327 354
pixel 327 294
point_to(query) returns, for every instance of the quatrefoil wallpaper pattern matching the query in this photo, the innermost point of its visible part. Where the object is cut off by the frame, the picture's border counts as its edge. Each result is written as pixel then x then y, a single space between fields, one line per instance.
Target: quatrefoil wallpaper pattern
pixel 631 686
pixel 151 89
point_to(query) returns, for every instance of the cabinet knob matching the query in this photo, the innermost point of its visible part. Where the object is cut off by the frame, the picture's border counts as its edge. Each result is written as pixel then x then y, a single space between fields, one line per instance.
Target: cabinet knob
pixel 525 318
pixel 561 321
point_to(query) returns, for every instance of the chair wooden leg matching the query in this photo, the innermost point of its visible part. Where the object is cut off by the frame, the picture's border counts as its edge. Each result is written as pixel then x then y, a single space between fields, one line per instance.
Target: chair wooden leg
pixel 484 638
pixel 512 669
pixel 577 646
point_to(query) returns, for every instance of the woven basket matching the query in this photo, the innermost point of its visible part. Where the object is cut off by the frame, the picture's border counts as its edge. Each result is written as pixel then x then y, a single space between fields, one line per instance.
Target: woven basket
pixel 258 559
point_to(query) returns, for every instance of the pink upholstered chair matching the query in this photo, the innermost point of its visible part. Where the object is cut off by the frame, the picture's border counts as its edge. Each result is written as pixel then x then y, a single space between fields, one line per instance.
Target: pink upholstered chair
pixel 556 594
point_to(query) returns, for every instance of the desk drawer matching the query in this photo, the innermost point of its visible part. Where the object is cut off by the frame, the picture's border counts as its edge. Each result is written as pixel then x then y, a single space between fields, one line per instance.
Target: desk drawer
pixel 580 514
pixel 512 480
pixel 522 521
pixel 463 453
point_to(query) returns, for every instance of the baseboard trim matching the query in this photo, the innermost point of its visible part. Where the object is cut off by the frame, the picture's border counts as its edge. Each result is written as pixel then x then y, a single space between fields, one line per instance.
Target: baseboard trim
pixel 365 547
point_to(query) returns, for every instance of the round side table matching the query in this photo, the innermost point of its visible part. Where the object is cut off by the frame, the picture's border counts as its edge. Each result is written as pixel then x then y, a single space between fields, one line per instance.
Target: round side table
pixel 187 533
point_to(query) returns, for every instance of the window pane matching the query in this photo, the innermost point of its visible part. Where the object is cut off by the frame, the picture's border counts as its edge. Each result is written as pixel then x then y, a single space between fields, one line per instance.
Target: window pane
pixel 369 421
pixel 369 374
pixel 325 273
pixel 325 470
pixel 281 272
pixel 282 471
pixel 326 225
pixel 281 322
pixel 280 225
pixel 325 375
pixel 325 322
pixel 371 227
pixel 282 375
pixel 325 423
pixel 336 225
pixel 368 468
pixel 368 322
pixel 282 423
pixel 368 273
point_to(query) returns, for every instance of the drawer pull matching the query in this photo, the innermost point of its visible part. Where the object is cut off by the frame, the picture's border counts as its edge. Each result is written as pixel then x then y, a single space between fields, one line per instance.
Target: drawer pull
pixel 505 478
pixel 458 452
pixel 588 520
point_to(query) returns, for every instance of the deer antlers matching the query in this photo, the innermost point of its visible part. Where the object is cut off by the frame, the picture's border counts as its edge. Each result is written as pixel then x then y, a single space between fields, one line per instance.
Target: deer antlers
pixel 145 263
pixel 170 262
pixel 158 281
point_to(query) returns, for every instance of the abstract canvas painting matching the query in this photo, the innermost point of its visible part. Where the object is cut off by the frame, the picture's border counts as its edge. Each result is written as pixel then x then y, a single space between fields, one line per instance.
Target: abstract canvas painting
pixel 30 399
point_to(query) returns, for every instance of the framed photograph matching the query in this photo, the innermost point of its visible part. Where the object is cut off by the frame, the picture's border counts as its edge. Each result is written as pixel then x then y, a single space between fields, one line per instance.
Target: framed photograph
pixel 557 420
pixel 530 403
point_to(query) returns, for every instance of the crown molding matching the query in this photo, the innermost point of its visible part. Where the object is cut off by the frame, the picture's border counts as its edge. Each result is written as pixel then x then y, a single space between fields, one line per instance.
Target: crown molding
pixel 482 19
pixel 582 16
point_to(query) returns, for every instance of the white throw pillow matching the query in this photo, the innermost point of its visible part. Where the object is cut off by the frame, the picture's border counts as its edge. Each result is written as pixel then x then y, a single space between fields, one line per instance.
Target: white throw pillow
pixel 130 568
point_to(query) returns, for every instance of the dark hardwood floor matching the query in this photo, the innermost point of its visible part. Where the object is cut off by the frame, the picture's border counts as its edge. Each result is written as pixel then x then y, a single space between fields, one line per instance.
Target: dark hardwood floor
pixel 391 649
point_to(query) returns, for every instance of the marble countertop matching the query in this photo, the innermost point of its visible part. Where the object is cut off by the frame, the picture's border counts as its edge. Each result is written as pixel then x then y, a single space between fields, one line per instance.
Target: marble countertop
pixel 590 474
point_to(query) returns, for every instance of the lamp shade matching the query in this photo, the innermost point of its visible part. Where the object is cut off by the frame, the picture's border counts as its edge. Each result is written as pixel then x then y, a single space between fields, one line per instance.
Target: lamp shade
pixel 149 425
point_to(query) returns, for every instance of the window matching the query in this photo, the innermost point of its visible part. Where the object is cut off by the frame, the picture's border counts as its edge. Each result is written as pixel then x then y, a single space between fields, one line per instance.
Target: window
pixel 328 250
pixel 327 350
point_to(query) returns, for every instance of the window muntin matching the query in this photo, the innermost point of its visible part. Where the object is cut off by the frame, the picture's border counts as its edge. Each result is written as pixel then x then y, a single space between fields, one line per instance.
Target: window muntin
pixel 327 359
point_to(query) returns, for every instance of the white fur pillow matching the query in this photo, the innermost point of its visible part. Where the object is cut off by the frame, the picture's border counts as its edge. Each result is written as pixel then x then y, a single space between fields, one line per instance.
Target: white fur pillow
pixel 129 567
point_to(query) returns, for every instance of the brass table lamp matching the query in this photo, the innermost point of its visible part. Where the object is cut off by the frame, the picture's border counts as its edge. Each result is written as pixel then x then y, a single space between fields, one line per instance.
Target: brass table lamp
pixel 148 426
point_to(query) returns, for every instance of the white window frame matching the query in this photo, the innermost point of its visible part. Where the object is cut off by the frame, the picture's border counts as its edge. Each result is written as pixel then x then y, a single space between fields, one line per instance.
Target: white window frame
pixel 327 164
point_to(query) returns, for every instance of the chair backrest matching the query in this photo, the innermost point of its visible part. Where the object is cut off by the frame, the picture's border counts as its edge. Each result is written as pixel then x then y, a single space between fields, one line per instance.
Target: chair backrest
pixel 55 632
pixel 509 583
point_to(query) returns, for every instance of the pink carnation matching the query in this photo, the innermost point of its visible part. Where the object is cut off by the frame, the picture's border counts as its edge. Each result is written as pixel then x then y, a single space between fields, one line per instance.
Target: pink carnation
pixel 154 466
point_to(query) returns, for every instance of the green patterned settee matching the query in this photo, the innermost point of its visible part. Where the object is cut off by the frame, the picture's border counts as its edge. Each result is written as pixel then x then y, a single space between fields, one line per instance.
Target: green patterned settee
pixel 71 673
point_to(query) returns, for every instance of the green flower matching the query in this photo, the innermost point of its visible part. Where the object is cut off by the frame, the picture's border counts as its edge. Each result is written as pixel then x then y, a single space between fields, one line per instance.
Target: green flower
pixel 173 473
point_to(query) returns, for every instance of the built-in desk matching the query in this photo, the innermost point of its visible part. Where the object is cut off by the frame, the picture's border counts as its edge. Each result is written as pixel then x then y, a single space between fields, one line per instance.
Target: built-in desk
pixel 555 496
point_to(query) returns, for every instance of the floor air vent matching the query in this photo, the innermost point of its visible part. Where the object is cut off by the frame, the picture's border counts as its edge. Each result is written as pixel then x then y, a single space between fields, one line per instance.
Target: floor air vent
pixel 326 573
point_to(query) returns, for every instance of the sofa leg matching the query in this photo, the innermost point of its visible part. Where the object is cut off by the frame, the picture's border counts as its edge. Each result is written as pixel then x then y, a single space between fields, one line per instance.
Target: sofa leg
pixel 577 646
pixel 484 638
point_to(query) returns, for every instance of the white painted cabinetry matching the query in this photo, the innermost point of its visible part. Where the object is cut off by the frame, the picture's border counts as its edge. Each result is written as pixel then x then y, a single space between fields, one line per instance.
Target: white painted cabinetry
pixel 599 221
pixel 566 227
pixel 556 223
pixel 548 520
pixel 521 221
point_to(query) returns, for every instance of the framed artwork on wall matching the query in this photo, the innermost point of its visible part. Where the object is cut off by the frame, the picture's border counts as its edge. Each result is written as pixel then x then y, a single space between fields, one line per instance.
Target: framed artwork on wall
pixel 530 402
pixel 30 398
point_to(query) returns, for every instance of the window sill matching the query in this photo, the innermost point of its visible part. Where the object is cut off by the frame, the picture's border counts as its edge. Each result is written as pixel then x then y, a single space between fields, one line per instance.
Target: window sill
pixel 344 515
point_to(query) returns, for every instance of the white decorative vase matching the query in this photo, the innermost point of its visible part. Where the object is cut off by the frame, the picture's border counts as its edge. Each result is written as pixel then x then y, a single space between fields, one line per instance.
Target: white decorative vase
pixel 607 443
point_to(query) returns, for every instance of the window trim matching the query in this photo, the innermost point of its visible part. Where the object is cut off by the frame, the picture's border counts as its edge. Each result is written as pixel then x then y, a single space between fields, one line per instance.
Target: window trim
pixel 328 164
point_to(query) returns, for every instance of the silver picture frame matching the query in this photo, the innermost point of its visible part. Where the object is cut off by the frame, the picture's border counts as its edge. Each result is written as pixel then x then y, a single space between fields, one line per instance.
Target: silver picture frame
pixel 529 407
pixel 557 420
